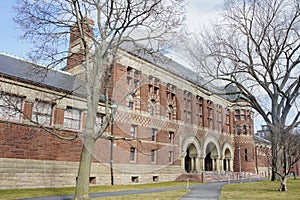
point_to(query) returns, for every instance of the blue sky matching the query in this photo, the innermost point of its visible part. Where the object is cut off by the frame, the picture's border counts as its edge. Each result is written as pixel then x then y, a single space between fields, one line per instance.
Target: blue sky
pixel 9 33
pixel 198 12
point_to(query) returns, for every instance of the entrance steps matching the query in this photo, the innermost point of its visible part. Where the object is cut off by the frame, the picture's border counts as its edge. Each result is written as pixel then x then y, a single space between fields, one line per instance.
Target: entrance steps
pixel 209 176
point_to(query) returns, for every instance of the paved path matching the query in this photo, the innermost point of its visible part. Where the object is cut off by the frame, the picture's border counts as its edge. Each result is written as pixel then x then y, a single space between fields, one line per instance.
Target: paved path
pixel 206 191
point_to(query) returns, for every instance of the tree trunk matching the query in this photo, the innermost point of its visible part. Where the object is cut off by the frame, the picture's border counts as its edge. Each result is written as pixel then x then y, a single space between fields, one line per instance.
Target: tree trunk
pixel 283 186
pixel 83 179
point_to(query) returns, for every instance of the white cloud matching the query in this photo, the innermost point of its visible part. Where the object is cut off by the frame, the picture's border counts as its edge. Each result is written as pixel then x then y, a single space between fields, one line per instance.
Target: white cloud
pixel 200 12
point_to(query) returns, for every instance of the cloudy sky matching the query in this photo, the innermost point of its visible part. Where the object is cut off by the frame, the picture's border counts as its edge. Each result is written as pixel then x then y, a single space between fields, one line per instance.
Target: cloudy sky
pixel 198 12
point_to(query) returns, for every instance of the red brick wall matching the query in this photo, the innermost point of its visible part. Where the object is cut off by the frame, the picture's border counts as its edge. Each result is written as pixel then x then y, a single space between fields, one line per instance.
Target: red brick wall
pixel 25 142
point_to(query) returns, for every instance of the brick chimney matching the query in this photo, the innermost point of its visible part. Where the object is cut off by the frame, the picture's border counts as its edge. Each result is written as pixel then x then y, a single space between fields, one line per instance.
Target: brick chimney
pixel 76 48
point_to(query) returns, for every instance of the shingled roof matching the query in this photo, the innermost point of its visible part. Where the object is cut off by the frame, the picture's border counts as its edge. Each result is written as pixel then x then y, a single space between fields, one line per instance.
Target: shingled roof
pixel 21 70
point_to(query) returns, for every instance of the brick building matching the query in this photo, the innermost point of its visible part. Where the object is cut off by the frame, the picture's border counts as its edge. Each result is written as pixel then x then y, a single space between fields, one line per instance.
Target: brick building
pixel 177 127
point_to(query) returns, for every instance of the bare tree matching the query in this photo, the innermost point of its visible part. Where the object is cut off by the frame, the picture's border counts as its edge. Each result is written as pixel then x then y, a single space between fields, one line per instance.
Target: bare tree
pixel 254 52
pixel 47 24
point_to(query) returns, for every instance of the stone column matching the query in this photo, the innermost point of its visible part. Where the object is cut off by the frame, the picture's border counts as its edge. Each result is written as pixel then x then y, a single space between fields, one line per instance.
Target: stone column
pixel 182 162
pixel 202 164
pixel 192 164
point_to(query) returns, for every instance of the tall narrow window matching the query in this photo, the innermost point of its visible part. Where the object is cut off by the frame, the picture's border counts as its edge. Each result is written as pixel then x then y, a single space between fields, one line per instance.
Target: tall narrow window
pixel 246 155
pixel 72 118
pixel 153 155
pixel 133 131
pixel 132 154
pixel 227 121
pixel 210 114
pixel 171 137
pixel 245 130
pixel 153 134
pixel 170 157
pixel 42 112
pixel 152 107
pixel 199 112
pixel 10 107
pixel 238 130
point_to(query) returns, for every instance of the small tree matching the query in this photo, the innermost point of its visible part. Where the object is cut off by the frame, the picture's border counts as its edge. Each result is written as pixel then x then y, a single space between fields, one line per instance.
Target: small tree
pixel 47 24
pixel 254 51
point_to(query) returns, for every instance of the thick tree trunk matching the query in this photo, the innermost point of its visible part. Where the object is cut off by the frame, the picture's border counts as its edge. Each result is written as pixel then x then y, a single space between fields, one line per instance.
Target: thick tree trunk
pixel 283 186
pixel 83 179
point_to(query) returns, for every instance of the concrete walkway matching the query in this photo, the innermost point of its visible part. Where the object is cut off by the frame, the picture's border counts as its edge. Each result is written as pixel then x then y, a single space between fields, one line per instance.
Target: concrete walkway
pixel 205 191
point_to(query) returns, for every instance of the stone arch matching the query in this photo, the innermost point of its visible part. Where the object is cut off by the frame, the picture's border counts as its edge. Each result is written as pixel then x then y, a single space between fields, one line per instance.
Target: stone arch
pixel 227 155
pixel 214 141
pixel 211 154
pixel 191 150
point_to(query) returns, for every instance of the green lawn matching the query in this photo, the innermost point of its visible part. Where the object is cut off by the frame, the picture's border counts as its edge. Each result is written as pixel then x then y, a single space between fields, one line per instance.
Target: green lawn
pixel 261 190
pixel 28 193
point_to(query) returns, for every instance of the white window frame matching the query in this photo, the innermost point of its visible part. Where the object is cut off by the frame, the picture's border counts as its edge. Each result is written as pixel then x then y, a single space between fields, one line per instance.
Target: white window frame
pixel 42 112
pixel 72 118
pixel 11 107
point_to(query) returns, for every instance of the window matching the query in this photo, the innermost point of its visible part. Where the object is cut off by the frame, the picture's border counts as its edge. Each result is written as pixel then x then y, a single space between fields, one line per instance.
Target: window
pixel 153 133
pixel 132 154
pixel 10 107
pixel 130 105
pixel 152 107
pixel 210 114
pixel 237 115
pixel 199 113
pixel 133 131
pixel 153 152
pixel 134 179
pixel 72 118
pixel 243 114
pixel 246 155
pixel 170 112
pixel 131 102
pixel 99 121
pixel 238 130
pixel 129 76
pixel 42 112
pixel 245 130
pixel 171 137
pixel 227 121
pixel 170 156
pixel 153 87
pixel 219 118
pixel 170 93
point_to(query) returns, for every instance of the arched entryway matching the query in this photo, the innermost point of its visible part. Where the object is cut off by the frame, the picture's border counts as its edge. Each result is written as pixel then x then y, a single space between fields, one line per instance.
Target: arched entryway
pixel 190 155
pixel 226 160
pixel 211 156
pixel 190 159
pixel 227 157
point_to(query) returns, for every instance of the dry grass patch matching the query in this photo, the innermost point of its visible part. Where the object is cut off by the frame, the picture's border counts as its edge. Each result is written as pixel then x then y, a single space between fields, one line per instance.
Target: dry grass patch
pixel 261 190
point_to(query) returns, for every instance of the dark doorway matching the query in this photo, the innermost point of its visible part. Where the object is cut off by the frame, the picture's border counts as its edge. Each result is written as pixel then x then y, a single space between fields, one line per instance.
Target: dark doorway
pixel 187 161
pixel 208 162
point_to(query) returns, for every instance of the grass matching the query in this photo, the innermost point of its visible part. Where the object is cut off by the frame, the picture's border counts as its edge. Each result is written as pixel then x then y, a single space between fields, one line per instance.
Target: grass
pixel 28 193
pixel 261 190
pixel 176 194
